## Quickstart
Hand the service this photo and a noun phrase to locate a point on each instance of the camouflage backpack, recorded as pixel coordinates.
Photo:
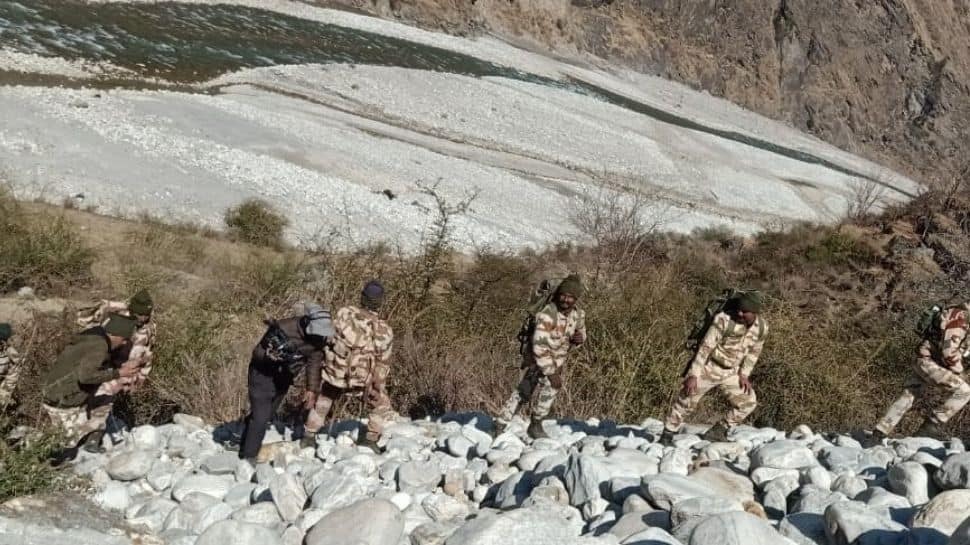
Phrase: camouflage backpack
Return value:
(725, 302)
(541, 297)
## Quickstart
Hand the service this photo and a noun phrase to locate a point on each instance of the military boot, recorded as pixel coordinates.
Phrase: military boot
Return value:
(717, 433)
(667, 438)
(874, 439)
(309, 440)
(930, 429)
(92, 442)
(535, 430)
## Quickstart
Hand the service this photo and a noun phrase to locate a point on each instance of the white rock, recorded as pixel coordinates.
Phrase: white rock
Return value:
(764, 475)
(459, 445)
(665, 490)
(370, 522)
(911, 480)
(724, 483)
(584, 478)
(889, 505)
(817, 476)
(113, 497)
(238, 533)
(816, 500)
(701, 508)
(735, 529)
(213, 485)
(804, 529)
(849, 484)
(289, 496)
(293, 536)
(594, 508)
(513, 491)
(401, 500)
(418, 477)
(955, 472)
(676, 461)
(527, 526)
(433, 533)
(162, 475)
(240, 495)
(635, 503)
(847, 521)
(784, 454)
(14, 531)
(209, 516)
(263, 514)
(244, 472)
(129, 466)
(651, 536)
(636, 522)
(945, 512)
(188, 422)
(961, 536)
(224, 463)
(152, 514)
(442, 507)
(624, 462)
(146, 438)
(338, 491)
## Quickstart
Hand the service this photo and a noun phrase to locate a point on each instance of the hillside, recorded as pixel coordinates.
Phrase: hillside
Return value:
(887, 80)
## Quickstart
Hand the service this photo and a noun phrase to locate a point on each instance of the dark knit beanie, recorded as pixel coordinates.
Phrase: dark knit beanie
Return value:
(750, 302)
(120, 326)
(5, 332)
(571, 285)
(372, 296)
(141, 303)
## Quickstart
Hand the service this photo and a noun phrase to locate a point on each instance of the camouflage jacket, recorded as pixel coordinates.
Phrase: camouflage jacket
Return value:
(9, 358)
(552, 338)
(141, 342)
(312, 354)
(360, 351)
(948, 346)
(730, 345)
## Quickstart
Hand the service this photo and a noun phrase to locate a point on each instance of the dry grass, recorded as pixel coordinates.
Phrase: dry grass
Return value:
(257, 222)
(838, 350)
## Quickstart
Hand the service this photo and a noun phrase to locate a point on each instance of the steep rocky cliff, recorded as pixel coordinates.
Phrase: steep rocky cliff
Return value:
(887, 79)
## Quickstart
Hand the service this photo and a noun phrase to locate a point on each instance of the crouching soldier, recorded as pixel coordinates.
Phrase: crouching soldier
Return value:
(559, 326)
(724, 360)
(939, 366)
(9, 366)
(73, 388)
(357, 362)
(287, 347)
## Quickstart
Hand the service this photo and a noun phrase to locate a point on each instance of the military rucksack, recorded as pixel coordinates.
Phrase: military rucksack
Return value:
(727, 301)
(541, 297)
(280, 349)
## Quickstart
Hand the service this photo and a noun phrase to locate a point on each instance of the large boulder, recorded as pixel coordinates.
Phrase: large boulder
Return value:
(804, 529)
(910, 480)
(224, 463)
(289, 496)
(651, 536)
(848, 522)
(238, 533)
(367, 522)
(513, 491)
(130, 466)
(584, 478)
(961, 536)
(665, 490)
(213, 485)
(724, 483)
(338, 490)
(636, 522)
(955, 472)
(418, 477)
(527, 526)
(14, 531)
(735, 529)
(624, 462)
(945, 512)
(784, 454)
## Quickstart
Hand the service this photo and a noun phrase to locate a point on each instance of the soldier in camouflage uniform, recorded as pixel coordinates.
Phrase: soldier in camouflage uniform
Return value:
(71, 386)
(939, 365)
(560, 325)
(9, 366)
(724, 360)
(140, 307)
(357, 361)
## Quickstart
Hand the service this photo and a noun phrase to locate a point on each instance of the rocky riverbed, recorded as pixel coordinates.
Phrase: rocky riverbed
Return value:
(449, 481)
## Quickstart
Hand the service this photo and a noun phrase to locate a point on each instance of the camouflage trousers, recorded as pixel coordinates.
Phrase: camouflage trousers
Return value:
(928, 373)
(9, 379)
(77, 422)
(381, 411)
(532, 379)
(725, 380)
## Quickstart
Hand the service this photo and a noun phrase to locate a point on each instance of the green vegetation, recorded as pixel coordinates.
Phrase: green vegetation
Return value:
(255, 221)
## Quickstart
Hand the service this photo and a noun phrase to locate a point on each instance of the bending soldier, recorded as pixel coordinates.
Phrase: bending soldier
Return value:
(72, 387)
(287, 347)
(724, 360)
(559, 326)
(939, 364)
(9, 366)
(357, 361)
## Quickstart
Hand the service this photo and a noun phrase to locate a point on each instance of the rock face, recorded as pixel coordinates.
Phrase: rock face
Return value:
(444, 483)
(368, 522)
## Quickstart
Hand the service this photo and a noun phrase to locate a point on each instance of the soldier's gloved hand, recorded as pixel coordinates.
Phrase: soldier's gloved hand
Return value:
(577, 339)
(555, 380)
(746, 386)
(690, 385)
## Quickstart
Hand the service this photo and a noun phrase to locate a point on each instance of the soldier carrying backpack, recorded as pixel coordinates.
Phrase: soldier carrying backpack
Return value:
(725, 354)
(939, 364)
(554, 325)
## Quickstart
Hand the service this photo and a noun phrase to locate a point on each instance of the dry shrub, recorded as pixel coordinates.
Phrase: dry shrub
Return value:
(40, 250)
(257, 222)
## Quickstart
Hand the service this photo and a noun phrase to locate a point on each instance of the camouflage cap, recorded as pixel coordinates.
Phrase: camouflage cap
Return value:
(750, 302)
(572, 285)
(120, 326)
(5, 331)
(141, 303)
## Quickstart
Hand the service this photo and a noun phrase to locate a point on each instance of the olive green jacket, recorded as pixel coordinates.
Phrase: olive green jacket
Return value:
(79, 369)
